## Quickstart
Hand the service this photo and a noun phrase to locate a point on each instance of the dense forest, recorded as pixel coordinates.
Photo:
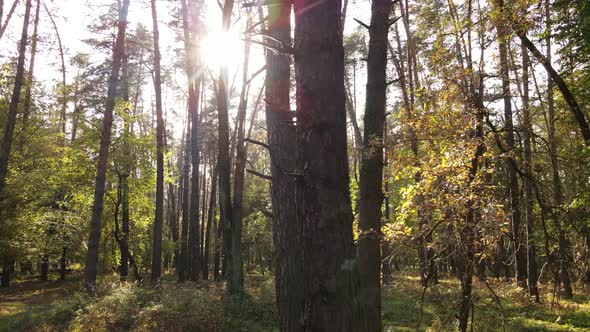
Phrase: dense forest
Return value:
(305, 165)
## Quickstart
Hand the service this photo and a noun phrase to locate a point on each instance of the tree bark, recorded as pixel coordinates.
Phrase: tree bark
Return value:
(97, 208)
(282, 149)
(323, 196)
(159, 217)
(371, 175)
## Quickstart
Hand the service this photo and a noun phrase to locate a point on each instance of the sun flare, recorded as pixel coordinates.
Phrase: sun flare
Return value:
(220, 48)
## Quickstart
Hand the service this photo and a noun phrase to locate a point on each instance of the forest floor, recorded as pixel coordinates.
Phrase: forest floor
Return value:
(32, 305)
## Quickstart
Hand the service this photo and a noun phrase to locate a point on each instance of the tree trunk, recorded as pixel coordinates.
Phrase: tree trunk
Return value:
(237, 213)
(183, 260)
(371, 175)
(513, 193)
(194, 234)
(324, 208)
(159, 218)
(62, 264)
(210, 221)
(223, 163)
(282, 149)
(14, 101)
(97, 208)
(557, 190)
(8, 17)
(528, 187)
(45, 267)
(30, 75)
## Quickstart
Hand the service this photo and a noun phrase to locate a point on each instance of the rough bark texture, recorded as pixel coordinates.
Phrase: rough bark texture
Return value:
(159, 217)
(281, 142)
(371, 175)
(513, 193)
(323, 196)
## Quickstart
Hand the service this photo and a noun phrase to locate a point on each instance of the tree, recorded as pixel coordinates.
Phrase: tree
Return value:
(160, 130)
(513, 192)
(322, 188)
(371, 175)
(223, 166)
(10, 124)
(105, 140)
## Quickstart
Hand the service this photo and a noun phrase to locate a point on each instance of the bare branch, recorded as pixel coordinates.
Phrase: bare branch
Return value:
(260, 175)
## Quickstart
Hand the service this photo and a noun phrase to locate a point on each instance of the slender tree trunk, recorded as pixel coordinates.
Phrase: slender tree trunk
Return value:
(8, 17)
(159, 218)
(62, 264)
(14, 101)
(223, 161)
(557, 190)
(237, 213)
(204, 190)
(194, 234)
(210, 221)
(30, 75)
(371, 175)
(97, 208)
(545, 60)
(45, 267)
(528, 187)
(182, 263)
(514, 195)
(329, 270)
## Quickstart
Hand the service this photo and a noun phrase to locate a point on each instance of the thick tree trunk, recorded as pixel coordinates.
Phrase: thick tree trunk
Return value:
(323, 196)
(528, 186)
(281, 141)
(513, 192)
(14, 101)
(159, 217)
(371, 175)
(103, 155)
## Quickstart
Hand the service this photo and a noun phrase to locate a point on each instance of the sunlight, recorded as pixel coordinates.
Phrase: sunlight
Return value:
(221, 48)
